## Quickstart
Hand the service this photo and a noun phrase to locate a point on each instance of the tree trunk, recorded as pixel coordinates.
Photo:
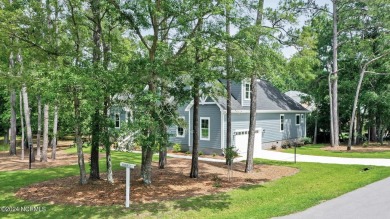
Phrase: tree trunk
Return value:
(253, 104)
(94, 173)
(80, 154)
(195, 131)
(39, 127)
(252, 125)
(162, 155)
(373, 132)
(21, 124)
(6, 136)
(147, 179)
(96, 59)
(331, 109)
(45, 132)
(335, 118)
(315, 127)
(55, 125)
(107, 143)
(27, 120)
(229, 159)
(143, 158)
(12, 147)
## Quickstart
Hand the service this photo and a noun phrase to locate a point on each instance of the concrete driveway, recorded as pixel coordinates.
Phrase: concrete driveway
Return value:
(275, 155)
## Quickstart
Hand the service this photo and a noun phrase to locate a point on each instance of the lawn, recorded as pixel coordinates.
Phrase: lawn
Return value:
(316, 150)
(312, 185)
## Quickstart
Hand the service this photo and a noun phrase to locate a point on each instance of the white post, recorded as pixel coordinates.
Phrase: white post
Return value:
(128, 167)
(127, 187)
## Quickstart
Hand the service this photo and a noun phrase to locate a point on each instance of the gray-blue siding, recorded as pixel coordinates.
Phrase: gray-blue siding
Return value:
(122, 114)
(211, 111)
(270, 122)
(173, 129)
(236, 90)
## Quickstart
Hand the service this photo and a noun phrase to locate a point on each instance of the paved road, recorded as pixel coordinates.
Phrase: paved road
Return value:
(369, 202)
(275, 155)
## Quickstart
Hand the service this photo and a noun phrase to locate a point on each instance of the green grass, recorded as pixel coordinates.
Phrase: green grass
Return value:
(4, 147)
(316, 150)
(312, 185)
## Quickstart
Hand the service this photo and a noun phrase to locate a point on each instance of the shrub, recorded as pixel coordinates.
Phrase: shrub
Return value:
(176, 147)
(217, 181)
(230, 153)
(214, 154)
(188, 152)
(200, 153)
(273, 147)
(286, 144)
(365, 144)
(306, 140)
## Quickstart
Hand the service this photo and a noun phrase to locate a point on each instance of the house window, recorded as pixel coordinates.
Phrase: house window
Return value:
(180, 131)
(247, 90)
(297, 119)
(302, 117)
(204, 128)
(281, 122)
(117, 120)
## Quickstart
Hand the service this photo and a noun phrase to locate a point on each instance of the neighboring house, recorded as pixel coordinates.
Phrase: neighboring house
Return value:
(279, 118)
(300, 97)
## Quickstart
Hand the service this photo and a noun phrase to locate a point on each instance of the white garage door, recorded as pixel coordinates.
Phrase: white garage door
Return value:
(241, 141)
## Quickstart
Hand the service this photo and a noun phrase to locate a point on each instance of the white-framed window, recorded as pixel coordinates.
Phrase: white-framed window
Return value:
(281, 122)
(297, 119)
(247, 90)
(204, 128)
(180, 131)
(117, 120)
(302, 118)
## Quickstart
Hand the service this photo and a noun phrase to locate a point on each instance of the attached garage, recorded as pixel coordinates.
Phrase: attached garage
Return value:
(241, 141)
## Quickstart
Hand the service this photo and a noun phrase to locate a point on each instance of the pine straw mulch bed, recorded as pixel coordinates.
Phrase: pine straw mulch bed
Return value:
(359, 148)
(171, 183)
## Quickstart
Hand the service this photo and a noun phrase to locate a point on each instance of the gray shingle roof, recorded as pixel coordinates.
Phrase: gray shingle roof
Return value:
(268, 98)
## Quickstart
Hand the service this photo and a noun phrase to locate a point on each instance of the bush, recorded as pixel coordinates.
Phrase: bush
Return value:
(200, 153)
(286, 144)
(188, 152)
(176, 147)
(273, 147)
(306, 140)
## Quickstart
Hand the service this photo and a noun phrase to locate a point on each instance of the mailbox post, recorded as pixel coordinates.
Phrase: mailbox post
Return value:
(128, 167)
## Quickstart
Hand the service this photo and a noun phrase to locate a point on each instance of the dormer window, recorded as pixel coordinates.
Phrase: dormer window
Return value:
(247, 91)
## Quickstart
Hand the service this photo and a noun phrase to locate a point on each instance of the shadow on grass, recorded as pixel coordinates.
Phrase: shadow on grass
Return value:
(216, 202)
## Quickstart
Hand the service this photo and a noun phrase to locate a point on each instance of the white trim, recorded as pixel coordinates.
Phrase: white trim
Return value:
(177, 129)
(299, 119)
(269, 111)
(189, 106)
(280, 123)
(222, 131)
(305, 127)
(200, 128)
(202, 99)
(189, 128)
(245, 91)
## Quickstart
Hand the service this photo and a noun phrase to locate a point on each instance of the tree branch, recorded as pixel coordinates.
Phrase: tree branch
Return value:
(131, 20)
